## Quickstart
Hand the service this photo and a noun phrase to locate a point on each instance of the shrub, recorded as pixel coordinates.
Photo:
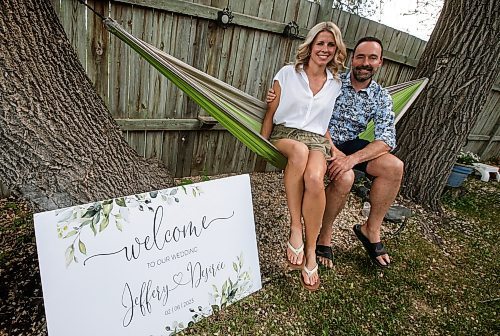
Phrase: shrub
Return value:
(467, 158)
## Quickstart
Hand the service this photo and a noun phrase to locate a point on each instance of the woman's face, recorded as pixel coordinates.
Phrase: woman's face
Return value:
(323, 48)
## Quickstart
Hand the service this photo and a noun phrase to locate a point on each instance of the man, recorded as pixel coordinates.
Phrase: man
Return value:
(360, 101)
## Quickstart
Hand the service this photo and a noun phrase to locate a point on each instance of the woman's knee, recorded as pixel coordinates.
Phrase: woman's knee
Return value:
(314, 180)
(297, 154)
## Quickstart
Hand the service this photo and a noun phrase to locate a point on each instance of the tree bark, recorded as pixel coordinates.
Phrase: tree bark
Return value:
(461, 60)
(59, 144)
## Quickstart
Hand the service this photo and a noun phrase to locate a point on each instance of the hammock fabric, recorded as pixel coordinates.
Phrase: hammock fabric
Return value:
(237, 111)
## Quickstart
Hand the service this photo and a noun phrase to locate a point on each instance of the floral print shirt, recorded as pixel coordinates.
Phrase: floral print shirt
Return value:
(353, 110)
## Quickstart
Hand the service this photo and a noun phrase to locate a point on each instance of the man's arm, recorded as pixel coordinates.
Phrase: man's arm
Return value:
(372, 151)
(342, 163)
(270, 96)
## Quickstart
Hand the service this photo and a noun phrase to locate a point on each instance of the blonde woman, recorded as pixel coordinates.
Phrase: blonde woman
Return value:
(296, 122)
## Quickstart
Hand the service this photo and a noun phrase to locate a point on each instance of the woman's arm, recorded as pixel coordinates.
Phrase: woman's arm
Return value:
(267, 123)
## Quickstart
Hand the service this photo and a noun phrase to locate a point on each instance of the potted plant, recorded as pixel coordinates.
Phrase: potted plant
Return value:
(462, 168)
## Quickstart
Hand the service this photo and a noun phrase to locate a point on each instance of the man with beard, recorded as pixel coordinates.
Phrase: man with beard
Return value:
(360, 101)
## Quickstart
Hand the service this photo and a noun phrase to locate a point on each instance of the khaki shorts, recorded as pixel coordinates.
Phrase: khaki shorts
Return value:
(313, 141)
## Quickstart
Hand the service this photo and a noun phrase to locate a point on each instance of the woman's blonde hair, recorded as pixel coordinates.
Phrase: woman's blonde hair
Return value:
(304, 51)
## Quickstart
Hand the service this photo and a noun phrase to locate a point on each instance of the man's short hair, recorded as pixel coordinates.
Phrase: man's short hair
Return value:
(369, 39)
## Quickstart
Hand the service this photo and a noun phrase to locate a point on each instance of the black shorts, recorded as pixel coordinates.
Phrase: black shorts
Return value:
(352, 146)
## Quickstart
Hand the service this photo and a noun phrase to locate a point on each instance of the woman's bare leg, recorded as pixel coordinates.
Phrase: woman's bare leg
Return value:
(313, 208)
(297, 154)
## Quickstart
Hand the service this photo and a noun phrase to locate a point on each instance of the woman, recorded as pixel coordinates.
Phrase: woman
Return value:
(296, 122)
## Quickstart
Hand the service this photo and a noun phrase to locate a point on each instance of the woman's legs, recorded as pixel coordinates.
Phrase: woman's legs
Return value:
(313, 208)
(297, 154)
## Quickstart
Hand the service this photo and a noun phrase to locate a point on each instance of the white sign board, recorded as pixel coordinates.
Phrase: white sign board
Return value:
(148, 264)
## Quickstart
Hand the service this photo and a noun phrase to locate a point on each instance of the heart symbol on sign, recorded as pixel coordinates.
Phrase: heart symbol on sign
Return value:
(178, 278)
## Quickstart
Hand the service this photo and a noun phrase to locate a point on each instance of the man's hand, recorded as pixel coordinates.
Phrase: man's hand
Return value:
(339, 165)
(270, 96)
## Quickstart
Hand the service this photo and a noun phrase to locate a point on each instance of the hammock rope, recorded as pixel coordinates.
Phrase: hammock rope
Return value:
(238, 112)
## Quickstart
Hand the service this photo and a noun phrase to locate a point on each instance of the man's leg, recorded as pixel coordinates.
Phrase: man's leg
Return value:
(387, 171)
(336, 196)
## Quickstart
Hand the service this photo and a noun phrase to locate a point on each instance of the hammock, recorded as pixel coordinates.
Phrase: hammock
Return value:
(238, 112)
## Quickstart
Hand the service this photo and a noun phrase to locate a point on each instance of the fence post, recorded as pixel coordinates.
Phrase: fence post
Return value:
(325, 10)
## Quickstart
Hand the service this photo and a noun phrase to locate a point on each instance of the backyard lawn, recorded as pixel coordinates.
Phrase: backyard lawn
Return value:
(443, 281)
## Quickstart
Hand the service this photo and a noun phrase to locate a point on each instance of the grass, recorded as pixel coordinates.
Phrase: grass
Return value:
(444, 281)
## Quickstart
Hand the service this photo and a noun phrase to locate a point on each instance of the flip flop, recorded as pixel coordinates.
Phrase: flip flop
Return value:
(296, 252)
(314, 287)
(374, 250)
(325, 252)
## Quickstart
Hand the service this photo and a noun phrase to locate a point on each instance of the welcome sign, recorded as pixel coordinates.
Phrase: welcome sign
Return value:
(148, 264)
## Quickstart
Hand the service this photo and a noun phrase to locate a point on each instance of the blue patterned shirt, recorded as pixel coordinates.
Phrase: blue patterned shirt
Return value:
(353, 110)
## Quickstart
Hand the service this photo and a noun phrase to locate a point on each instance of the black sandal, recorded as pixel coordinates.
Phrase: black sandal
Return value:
(374, 250)
(325, 252)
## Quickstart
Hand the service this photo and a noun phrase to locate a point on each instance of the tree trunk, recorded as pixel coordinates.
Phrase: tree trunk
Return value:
(59, 144)
(461, 60)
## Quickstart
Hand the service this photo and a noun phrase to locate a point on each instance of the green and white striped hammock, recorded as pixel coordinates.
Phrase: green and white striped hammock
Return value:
(237, 111)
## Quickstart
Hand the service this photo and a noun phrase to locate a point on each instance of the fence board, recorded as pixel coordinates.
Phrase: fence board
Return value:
(158, 83)
(118, 65)
(386, 41)
(154, 144)
(313, 14)
(98, 49)
(343, 22)
(200, 56)
(349, 36)
(334, 17)
(73, 19)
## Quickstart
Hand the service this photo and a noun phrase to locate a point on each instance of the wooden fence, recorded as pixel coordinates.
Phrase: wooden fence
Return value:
(158, 120)
(485, 135)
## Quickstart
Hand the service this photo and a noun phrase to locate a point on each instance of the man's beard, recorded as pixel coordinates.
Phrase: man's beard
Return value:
(363, 78)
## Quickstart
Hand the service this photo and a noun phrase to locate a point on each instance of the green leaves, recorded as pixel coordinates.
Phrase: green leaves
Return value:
(82, 247)
(120, 201)
(71, 233)
(104, 224)
(69, 255)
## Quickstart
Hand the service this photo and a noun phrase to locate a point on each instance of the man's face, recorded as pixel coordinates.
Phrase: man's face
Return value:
(366, 60)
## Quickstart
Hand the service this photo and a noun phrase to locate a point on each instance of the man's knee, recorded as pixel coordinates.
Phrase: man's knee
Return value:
(396, 166)
(387, 166)
(342, 186)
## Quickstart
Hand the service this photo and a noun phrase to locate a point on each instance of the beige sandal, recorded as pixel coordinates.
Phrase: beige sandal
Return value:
(296, 252)
(309, 273)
